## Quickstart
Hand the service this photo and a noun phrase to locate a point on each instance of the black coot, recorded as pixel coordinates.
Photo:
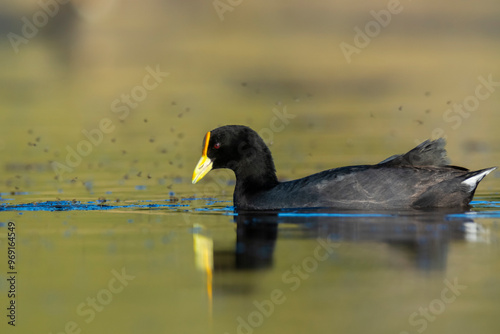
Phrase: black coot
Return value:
(418, 179)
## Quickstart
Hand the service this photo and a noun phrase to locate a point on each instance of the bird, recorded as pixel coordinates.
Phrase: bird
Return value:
(419, 179)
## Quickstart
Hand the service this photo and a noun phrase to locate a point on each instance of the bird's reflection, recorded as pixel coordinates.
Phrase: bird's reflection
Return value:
(422, 238)
(255, 241)
(256, 236)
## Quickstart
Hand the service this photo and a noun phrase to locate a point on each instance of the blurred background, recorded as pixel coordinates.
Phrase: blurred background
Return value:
(64, 65)
(111, 99)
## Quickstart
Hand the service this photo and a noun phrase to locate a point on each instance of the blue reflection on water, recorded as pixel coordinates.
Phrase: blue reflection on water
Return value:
(76, 205)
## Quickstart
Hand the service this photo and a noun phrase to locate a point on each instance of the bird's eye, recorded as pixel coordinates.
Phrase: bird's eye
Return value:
(217, 145)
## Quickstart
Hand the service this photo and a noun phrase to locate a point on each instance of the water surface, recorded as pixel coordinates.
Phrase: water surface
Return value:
(198, 266)
(116, 239)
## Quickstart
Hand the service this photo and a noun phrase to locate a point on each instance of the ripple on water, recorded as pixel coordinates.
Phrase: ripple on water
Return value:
(480, 208)
(80, 206)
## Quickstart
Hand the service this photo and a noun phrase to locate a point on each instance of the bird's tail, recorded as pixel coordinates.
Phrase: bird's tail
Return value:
(472, 179)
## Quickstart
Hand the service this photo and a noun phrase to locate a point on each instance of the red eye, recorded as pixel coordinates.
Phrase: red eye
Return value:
(217, 145)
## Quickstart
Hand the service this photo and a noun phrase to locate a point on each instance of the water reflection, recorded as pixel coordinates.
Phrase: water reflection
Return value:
(421, 237)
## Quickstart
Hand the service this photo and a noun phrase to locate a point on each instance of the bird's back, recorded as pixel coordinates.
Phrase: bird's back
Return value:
(420, 178)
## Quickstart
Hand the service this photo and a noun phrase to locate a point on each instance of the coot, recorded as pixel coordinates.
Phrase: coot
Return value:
(421, 178)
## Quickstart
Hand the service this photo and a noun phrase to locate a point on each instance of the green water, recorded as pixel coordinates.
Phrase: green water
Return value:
(202, 272)
(68, 133)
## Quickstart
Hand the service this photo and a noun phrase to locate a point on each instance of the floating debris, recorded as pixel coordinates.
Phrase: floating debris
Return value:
(78, 206)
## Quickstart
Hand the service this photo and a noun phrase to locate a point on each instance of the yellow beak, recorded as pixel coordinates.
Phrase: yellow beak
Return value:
(205, 164)
(202, 168)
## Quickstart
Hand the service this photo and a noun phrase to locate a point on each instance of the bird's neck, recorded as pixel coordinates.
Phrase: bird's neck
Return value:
(253, 175)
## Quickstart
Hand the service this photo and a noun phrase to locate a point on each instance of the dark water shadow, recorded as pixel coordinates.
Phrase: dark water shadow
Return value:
(423, 238)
